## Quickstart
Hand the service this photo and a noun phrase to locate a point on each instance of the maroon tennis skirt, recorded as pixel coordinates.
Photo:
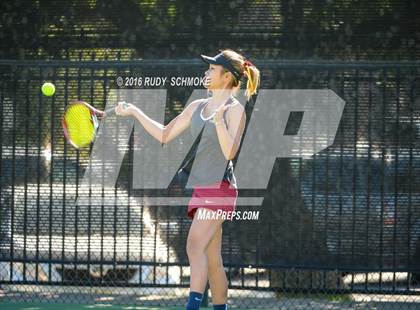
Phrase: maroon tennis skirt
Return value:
(217, 196)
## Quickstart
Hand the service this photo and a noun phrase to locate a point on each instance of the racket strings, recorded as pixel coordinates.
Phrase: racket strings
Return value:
(80, 126)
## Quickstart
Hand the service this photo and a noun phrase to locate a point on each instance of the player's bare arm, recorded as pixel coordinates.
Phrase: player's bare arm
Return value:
(162, 133)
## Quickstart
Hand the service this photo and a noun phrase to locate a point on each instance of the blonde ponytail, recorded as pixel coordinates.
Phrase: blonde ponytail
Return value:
(253, 76)
(249, 70)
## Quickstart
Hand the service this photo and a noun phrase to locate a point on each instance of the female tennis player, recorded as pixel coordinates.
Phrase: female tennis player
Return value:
(226, 118)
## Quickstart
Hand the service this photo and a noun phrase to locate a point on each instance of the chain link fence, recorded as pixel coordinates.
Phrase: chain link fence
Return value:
(340, 229)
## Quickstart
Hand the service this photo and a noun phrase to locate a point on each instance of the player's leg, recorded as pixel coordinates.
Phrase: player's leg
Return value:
(216, 272)
(199, 236)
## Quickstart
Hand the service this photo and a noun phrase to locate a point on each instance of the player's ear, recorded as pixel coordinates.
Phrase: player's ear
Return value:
(226, 75)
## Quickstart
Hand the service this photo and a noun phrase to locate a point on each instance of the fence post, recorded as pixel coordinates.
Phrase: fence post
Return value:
(205, 301)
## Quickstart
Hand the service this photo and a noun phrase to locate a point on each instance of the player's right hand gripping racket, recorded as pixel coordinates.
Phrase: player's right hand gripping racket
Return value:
(80, 122)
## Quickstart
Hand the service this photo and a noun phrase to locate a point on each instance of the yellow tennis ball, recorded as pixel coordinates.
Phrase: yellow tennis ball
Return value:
(48, 89)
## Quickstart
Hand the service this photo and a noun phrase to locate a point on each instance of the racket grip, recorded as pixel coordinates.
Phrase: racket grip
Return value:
(111, 111)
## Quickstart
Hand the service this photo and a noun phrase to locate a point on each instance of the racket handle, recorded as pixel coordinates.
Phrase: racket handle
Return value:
(111, 111)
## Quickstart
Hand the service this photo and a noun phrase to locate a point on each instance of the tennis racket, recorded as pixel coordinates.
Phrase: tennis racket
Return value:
(80, 122)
